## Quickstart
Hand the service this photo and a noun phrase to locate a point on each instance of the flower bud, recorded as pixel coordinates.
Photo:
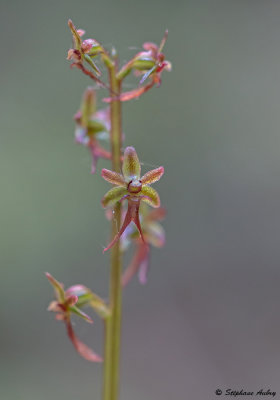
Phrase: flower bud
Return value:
(88, 106)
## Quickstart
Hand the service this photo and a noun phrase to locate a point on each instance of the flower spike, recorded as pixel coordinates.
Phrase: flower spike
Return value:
(130, 186)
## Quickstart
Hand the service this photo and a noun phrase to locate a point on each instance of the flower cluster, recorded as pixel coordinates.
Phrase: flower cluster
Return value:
(149, 63)
(130, 186)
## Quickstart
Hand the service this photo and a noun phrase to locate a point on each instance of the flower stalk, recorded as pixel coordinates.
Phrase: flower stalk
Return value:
(113, 324)
(133, 222)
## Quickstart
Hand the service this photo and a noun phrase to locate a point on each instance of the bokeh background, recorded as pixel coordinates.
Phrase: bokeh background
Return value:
(209, 316)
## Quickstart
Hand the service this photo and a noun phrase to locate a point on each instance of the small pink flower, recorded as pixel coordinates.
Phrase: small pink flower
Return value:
(131, 186)
(83, 50)
(92, 126)
(149, 63)
(64, 306)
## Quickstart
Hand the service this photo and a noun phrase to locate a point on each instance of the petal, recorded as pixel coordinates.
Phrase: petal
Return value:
(114, 195)
(76, 290)
(93, 165)
(156, 215)
(126, 222)
(80, 313)
(81, 348)
(152, 176)
(94, 159)
(54, 306)
(71, 55)
(113, 177)
(126, 237)
(92, 64)
(88, 44)
(141, 61)
(87, 298)
(132, 94)
(103, 116)
(136, 220)
(138, 259)
(100, 307)
(88, 105)
(163, 41)
(60, 317)
(132, 214)
(81, 136)
(100, 152)
(150, 46)
(75, 33)
(82, 293)
(150, 196)
(167, 66)
(71, 300)
(57, 287)
(143, 271)
(81, 32)
(131, 166)
(155, 234)
(103, 135)
(130, 271)
(147, 74)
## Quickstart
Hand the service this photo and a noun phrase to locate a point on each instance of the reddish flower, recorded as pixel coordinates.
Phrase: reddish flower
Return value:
(83, 50)
(130, 186)
(149, 63)
(66, 304)
(86, 51)
(154, 235)
(92, 126)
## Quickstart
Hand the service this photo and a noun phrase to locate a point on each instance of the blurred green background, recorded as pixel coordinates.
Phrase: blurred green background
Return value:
(209, 315)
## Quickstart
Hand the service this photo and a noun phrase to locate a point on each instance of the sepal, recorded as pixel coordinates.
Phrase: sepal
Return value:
(113, 196)
(150, 196)
(131, 166)
(152, 176)
(58, 287)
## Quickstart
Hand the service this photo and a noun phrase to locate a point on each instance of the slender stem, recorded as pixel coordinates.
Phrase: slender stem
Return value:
(107, 385)
(113, 324)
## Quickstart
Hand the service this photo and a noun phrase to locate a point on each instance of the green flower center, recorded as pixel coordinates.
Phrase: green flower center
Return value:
(134, 186)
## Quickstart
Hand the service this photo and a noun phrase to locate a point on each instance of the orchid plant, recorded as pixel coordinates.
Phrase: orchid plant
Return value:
(132, 205)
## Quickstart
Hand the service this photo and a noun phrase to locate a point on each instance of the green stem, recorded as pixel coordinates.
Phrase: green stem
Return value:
(107, 386)
(113, 323)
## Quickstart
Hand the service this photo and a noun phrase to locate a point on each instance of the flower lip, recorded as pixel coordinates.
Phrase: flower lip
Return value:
(134, 186)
